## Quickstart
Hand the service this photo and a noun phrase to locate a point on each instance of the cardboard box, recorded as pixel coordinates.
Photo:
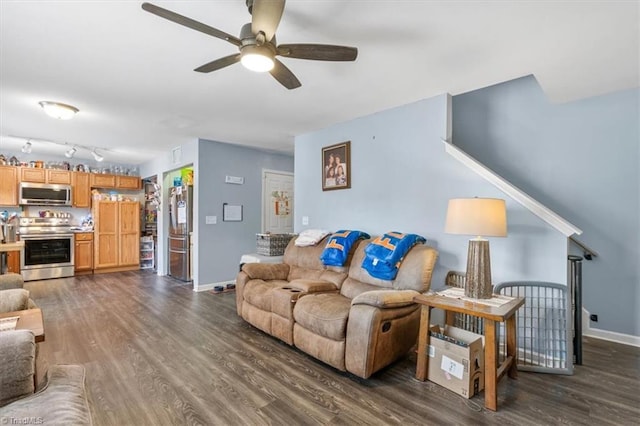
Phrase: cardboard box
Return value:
(456, 360)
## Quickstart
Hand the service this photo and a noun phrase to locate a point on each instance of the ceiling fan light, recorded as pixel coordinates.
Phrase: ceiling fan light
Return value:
(97, 156)
(70, 153)
(58, 110)
(257, 59)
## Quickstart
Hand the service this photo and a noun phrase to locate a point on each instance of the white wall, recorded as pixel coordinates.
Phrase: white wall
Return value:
(402, 180)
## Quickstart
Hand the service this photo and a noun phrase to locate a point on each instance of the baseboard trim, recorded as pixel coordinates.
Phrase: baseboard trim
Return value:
(208, 287)
(611, 336)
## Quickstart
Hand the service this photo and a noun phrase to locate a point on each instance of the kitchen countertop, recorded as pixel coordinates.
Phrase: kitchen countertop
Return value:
(18, 245)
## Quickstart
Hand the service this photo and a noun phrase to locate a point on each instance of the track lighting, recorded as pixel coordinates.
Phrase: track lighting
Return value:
(58, 110)
(26, 148)
(70, 153)
(97, 156)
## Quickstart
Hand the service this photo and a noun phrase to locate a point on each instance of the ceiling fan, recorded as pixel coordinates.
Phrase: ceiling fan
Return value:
(257, 42)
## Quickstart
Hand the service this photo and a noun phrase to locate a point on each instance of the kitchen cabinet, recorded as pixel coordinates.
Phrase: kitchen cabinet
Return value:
(116, 236)
(81, 193)
(8, 186)
(37, 175)
(83, 252)
(13, 261)
(114, 181)
(127, 182)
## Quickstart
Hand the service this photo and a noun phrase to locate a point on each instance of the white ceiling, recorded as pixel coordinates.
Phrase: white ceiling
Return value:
(131, 73)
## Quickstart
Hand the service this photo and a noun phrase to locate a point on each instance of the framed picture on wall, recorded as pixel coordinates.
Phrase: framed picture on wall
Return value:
(336, 166)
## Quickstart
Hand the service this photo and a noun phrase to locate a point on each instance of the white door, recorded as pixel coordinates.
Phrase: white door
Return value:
(277, 202)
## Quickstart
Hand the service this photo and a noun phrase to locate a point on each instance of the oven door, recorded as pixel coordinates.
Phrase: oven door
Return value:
(47, 251)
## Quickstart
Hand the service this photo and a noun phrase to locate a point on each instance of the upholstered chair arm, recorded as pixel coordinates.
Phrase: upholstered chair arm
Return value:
(312, 286)
(15, 299)
(11, 280)
(266, 271)
(386, 298)
(18, 354)
(382, 326)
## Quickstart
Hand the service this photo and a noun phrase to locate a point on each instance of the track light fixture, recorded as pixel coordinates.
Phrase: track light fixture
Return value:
(70, 153)
(97, 156)
(26, 148)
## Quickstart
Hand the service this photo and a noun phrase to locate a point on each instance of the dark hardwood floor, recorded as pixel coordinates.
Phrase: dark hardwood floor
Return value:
(156, 353)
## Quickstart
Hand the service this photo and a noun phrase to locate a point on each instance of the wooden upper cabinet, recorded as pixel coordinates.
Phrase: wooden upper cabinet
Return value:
(115, 181)
(8, 186)
(81, 189)
(62, 177)
(128, 182)
(37, 175)
(30, 174)
(103, 181)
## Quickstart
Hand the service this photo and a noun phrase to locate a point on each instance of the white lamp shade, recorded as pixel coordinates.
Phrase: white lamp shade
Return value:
(486, 217)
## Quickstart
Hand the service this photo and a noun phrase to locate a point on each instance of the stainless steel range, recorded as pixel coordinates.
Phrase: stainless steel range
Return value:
(48, 248)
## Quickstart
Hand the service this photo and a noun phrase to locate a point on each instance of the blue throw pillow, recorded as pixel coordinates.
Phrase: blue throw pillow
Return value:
(384, 255)
(339, 245)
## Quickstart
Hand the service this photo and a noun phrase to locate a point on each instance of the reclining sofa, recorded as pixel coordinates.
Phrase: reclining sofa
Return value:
(340, 315)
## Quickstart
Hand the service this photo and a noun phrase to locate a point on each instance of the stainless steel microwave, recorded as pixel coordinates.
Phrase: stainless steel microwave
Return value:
(44, 194)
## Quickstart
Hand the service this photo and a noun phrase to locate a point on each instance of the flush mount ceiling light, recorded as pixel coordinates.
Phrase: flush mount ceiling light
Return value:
(97, 156)
(70, 153)
(257, 58)
(26, 148)
(58, 110)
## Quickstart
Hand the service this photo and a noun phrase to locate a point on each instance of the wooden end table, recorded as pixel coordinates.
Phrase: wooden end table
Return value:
(30, 319)
(492, 371)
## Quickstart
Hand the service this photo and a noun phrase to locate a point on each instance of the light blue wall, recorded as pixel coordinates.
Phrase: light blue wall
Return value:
(402, 179)
(220, 246)
(582, 160)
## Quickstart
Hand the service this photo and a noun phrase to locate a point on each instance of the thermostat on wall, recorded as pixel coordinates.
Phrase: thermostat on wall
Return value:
(234, 179)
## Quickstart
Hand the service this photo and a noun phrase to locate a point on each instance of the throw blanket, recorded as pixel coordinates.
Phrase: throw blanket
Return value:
(311, 237)
(384, 254)
(339, 245)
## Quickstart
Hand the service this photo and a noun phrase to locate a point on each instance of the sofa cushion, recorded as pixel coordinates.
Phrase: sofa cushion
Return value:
(258, 292)
(324, 314)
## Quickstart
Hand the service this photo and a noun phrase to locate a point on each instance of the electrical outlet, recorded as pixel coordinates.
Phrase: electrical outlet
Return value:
(593, 317)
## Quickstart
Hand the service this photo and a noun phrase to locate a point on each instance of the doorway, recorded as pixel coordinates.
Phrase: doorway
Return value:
(277, 202)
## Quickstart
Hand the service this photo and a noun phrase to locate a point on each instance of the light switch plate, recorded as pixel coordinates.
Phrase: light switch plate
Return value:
(210, 220)
(305, 220)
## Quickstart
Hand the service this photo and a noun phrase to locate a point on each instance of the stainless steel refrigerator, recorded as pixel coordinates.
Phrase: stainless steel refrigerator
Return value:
(180, 227)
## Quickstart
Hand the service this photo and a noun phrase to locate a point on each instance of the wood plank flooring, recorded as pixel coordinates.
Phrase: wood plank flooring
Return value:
(156, 353)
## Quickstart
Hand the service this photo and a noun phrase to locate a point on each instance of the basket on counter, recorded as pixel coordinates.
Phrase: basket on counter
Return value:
(272, 244)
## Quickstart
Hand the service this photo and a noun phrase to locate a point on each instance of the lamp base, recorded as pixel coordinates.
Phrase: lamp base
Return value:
(478, 283)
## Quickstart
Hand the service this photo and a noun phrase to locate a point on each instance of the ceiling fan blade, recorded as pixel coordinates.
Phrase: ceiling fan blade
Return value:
(190, 23)
(219, 63)
(318, 52)
(265, 16)
(284, 75)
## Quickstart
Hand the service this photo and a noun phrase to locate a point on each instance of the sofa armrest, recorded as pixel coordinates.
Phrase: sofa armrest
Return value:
(312, 286)
(266, 271)
(17, 369)
(15, 299)
(11, 280)
(63, 401)
(386, 298)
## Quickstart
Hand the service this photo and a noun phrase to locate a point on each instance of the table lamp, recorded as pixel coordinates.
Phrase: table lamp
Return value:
(483, 217)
